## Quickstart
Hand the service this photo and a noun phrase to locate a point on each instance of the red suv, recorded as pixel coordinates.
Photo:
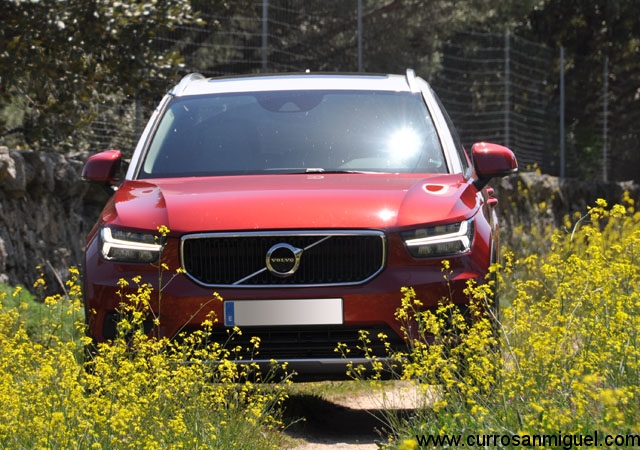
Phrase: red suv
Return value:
(305, 200)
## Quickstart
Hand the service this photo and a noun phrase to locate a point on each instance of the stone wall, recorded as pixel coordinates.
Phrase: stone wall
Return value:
(46, 210)
(530, 199)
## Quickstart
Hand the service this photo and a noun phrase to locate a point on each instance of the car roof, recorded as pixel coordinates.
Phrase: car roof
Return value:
(196, 84)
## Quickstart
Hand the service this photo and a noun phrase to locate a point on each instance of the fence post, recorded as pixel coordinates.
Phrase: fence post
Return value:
(138, 126)
(562, 138)
(605, 106)
(359, 35)
(507, 94)
(265, 29)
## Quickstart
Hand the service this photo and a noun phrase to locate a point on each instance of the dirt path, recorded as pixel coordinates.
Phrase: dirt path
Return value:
(353, 421)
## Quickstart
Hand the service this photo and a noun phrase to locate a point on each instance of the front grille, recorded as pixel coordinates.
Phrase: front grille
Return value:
(309, 342)
(240, 259)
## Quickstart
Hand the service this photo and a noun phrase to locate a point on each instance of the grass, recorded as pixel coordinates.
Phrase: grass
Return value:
(565, 361)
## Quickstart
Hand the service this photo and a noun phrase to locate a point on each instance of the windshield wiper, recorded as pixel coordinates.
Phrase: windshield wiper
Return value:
(321, 170)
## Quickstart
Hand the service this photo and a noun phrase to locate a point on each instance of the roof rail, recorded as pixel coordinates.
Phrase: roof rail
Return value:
(184, 82)
(412, 81)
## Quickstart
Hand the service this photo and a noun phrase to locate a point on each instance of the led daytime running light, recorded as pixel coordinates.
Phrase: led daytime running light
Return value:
(462, 236)
(109, 242)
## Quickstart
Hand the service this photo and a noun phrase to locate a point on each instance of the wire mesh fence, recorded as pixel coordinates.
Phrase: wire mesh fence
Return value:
(497, 87)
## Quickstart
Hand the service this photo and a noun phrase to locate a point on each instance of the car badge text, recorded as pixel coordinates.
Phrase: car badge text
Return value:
(283, 260)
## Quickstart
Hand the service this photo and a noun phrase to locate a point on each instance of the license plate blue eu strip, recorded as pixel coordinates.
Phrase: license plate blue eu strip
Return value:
(229, 314)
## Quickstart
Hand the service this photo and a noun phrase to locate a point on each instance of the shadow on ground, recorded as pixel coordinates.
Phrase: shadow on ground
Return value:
(317, 420)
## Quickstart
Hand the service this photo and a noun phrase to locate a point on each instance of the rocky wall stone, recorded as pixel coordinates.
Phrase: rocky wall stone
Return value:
(46, 211)
(531, 199)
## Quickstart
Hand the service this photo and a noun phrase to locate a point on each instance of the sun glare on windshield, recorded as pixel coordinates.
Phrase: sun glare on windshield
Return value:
(403, 144)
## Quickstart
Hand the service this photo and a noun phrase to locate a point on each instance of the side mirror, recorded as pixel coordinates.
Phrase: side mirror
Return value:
(104, 168)
(490, 161)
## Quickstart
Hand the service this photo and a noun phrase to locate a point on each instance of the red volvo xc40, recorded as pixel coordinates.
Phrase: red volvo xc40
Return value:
(305, 200)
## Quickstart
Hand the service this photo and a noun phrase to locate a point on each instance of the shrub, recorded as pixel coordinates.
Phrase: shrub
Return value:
(566, 358)
(136, 392)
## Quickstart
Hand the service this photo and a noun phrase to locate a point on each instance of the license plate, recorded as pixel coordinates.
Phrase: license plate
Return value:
(325, 311)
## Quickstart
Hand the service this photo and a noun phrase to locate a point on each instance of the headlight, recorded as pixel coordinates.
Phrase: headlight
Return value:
(128, 246)
(441, 240)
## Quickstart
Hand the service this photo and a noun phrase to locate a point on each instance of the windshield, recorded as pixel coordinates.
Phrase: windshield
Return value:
(294, 132)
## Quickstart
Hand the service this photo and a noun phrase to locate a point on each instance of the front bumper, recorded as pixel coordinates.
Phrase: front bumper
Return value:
(181, 306)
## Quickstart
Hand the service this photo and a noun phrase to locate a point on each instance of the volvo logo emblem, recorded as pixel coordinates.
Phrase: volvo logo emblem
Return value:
(283, 259)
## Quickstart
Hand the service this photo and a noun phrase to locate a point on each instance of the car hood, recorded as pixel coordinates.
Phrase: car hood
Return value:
(292, 201)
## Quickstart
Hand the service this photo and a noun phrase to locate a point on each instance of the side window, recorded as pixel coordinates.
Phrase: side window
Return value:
(160, 138)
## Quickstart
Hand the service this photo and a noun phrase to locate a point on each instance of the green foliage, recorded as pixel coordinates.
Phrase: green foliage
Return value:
(327, 34)
(62, 59)
(591, 31)
(65, 63)
(568, 359)
(19, 298)
(136, 392)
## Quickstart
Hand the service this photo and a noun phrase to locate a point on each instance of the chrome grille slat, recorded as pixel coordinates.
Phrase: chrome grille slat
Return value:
(228, 259)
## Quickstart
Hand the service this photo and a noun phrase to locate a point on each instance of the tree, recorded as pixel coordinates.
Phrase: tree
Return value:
(63, 58)
(321, 35)
(592, 32)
